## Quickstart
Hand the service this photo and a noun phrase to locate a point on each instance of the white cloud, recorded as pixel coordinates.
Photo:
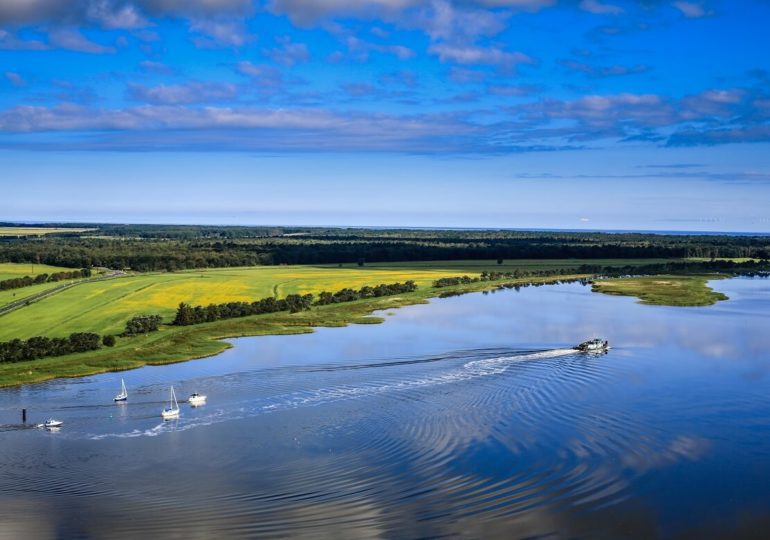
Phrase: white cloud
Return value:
(191, 92)
(288, 53)
(471, 54)
(218, 32)
(71, 39)
(15, 79)
(597, 7)
(692, 10)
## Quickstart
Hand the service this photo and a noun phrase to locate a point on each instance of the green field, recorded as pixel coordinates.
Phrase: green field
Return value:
(664, 290)
(104, 307)
(37, 231)
(14, 270)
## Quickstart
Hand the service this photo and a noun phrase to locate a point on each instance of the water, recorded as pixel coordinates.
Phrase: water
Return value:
(467, 417)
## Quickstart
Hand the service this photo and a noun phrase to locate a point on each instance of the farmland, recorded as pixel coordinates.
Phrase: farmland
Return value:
(12, 270)
(105, 306)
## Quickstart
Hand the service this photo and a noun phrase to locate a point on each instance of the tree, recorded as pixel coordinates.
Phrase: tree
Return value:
(108, 341)
(499, 261)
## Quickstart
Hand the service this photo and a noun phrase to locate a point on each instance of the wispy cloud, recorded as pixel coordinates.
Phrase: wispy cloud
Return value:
(603, 71)
(471, 54)
(600, 8)
(190, 92)
(15, 79)
(288, 52)
(71, 39)
(692, 10)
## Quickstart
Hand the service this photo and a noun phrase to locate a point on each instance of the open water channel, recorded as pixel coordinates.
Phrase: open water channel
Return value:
(465, 417)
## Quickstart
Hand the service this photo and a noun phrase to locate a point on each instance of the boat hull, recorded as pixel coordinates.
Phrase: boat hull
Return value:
(169, 414)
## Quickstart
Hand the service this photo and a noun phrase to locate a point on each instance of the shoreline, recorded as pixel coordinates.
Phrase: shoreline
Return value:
(173, 344)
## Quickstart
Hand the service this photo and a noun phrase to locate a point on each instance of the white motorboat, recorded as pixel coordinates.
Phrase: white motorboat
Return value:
(196, 399)
(173, 407)
(51, 423)
(594, 345)
(123, 396)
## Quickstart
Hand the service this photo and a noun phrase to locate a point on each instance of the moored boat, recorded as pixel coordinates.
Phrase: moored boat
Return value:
(123, 396)
(173, 407)
(196, 399)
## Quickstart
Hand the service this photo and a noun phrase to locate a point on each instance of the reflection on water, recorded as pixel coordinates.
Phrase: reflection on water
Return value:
(466, 417)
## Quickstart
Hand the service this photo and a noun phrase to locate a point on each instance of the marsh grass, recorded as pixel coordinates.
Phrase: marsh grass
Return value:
(664, 290)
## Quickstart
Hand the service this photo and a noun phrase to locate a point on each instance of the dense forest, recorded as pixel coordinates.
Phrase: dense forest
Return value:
(159, 247)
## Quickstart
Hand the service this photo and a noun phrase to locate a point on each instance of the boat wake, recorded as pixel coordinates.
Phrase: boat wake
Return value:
(310, 398)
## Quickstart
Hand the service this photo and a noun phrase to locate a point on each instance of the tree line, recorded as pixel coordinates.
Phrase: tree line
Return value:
(26, 281)
(157, 247)
(33, 348)
(187, 315)
(743, 268)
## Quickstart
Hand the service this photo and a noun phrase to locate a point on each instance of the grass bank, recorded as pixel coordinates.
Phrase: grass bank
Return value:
(664, 290)
(177, 344)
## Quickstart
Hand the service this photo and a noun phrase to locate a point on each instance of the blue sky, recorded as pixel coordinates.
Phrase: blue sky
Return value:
(608, 114)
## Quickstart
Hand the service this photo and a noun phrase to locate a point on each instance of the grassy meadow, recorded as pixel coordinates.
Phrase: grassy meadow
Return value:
(664, 290)
(14, 270)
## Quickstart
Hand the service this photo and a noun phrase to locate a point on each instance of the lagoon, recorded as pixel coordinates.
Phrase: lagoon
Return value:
(468, 416)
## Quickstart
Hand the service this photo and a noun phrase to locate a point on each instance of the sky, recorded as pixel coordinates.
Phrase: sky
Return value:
(575, 114)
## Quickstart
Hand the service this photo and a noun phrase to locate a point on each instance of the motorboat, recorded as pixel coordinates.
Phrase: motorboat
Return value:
(196, 399)
(594, 345)
(172, 411)
(51, 423)
(123, 396)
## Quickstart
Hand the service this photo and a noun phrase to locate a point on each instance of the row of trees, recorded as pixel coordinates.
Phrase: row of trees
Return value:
(496, 276)
(19, 350)
(26, 281)
(745, 268)
(187, 314)
(293, 303)
(349, 295)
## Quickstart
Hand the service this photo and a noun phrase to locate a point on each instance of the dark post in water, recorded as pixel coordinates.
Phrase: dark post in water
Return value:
(24, 416)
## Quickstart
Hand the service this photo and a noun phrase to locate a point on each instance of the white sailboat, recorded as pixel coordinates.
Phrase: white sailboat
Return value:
(173, 407)
(123, 396)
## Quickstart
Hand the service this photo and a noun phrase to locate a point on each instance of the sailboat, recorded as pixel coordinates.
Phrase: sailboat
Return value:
(123, 396)
(173, 407)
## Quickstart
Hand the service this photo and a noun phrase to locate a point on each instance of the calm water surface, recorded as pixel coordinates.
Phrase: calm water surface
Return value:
(467, 417)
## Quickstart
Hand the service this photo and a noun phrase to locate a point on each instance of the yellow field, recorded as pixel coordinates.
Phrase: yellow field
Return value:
(105, 306)
(37, 231)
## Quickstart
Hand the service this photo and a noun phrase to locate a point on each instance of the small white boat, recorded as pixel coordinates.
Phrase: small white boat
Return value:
(51, 423)
(123, 396)
(173, 407)
(594, 345)
(196, 399)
